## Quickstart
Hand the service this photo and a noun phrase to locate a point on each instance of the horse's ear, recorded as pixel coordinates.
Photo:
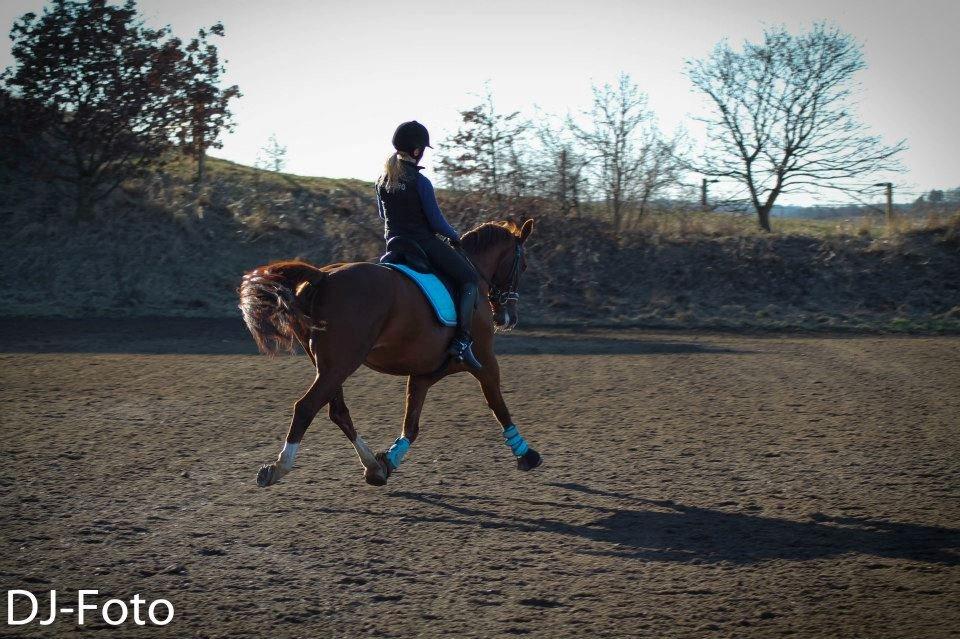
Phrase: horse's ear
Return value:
(525, 230)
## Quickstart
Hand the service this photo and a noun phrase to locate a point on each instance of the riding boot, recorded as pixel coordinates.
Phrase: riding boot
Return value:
(461, 347)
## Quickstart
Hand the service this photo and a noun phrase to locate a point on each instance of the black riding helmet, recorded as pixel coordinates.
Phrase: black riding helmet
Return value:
(411, 135)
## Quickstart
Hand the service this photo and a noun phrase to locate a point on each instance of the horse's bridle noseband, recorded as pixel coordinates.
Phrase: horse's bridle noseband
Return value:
(500, 296)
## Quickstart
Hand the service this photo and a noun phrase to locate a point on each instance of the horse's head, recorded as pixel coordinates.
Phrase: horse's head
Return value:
(498, 248)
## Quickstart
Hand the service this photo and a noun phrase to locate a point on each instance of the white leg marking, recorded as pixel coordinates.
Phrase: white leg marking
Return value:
(367, 458)
(287, 455)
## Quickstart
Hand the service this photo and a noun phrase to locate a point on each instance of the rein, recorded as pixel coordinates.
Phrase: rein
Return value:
(497, 295)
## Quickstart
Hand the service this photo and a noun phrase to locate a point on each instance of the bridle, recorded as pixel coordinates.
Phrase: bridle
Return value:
(499, 295)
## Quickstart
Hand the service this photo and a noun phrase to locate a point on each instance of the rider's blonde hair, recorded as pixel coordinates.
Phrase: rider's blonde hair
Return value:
(393, 170)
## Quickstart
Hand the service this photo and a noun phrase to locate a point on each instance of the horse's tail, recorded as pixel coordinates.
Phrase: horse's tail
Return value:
(271, 299)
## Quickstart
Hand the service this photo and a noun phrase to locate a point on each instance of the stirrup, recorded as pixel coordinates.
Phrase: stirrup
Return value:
(461, 350)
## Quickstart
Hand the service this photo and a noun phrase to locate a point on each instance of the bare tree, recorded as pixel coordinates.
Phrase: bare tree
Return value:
(559, 166)
(486, 152)
(610, 137)
(272, 156)
(782, 117)
(628, 158)
(661, 166)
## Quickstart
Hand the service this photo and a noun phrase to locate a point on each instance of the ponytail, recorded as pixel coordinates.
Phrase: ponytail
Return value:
(393, 171)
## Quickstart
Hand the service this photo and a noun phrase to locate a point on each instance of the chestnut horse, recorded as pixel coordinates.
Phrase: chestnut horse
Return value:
(346, 315)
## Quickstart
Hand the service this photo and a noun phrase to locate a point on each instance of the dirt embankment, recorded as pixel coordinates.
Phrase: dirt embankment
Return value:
(152, 252)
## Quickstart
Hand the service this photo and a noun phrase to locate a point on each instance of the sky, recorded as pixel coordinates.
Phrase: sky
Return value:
(332, 79)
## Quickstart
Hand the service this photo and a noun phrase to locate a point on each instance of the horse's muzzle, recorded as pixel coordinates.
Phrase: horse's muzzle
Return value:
(505, 317)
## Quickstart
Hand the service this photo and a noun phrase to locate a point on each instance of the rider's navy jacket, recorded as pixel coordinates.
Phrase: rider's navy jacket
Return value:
(412, 210)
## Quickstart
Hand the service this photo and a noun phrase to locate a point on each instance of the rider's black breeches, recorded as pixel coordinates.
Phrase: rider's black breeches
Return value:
(448, 260)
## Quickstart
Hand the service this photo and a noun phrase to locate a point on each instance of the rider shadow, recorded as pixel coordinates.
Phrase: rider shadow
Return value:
(671, 532)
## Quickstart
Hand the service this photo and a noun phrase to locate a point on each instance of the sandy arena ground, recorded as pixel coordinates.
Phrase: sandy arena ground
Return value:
(694, 485)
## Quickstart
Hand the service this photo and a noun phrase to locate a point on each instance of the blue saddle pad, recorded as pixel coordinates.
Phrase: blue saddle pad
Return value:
(437, 294)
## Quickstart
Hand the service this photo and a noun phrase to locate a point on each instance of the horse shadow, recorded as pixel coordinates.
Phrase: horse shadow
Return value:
(672, 532)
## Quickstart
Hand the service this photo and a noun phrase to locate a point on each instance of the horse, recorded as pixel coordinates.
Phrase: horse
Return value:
(345, 315)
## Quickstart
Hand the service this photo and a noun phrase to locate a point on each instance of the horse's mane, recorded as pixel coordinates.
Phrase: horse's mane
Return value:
(488, 234)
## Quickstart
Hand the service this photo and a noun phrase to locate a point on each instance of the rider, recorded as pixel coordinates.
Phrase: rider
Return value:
(408, 206)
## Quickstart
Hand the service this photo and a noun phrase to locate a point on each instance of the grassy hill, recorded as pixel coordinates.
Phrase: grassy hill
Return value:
(155, 249)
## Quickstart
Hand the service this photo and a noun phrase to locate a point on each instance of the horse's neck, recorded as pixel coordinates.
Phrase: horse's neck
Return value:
(486, 261)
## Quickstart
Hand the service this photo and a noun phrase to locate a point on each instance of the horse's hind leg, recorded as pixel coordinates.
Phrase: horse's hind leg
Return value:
(307, 348)
(304, 411)
(417, 387)
(323, 390)
(373, 470)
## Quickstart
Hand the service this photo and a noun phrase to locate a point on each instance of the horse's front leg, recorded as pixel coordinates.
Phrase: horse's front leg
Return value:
(489, 378)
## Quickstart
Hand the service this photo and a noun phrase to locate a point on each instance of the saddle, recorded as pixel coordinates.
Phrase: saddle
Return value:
(405, 256)
(405, 250)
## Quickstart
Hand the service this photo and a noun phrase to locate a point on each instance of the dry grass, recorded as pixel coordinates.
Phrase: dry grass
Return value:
(267, 201)
(693, 224)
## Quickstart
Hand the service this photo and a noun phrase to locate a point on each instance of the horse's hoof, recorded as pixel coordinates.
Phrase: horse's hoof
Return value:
(375, 477)
(529, 460)
(378, 476)
(267, 476)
